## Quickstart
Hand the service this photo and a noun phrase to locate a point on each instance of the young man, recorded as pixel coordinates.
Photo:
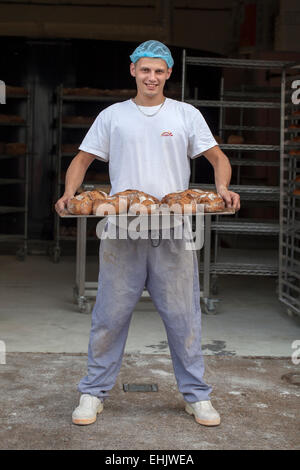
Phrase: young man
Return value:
(148, 142)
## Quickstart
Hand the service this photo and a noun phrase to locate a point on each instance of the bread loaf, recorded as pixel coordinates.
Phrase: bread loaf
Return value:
(218, 139)
(143, 204)
(78, 119)
(235, 139)
(15, 90)
(81, 204)
(11, 118)
(15, 148)
(110, 206)
(186, 201)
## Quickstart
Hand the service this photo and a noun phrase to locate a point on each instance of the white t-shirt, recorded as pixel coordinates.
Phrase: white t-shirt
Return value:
(150, 154)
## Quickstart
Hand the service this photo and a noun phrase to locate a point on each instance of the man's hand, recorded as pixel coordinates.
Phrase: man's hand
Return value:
(61, 204)
(232, 200)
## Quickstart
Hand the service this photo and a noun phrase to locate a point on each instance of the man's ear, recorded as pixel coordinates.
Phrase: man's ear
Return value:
(169, 73)
(132, 69)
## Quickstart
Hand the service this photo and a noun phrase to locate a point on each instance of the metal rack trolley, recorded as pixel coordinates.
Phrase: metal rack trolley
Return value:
(289, 246)
(260, 193)
(84, 290)
(61, 100)
(4, 210)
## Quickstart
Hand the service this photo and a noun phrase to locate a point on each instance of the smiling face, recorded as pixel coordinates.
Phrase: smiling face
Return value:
(150, 75)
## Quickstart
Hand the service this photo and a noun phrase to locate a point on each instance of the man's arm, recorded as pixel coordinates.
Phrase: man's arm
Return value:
(74, 178)
(222, 170)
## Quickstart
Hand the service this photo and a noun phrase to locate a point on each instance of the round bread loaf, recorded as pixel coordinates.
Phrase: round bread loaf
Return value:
(81, 204)
(97, 194)
(187, 201)
(235, 139)
(143, 204)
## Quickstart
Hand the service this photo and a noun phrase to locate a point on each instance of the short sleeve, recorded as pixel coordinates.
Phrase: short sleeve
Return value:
(96, 140)
(200, 136)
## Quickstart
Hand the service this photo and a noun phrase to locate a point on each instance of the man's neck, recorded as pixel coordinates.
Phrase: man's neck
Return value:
(149, 101)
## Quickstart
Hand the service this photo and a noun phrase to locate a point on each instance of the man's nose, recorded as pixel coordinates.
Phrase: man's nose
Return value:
(152, 75)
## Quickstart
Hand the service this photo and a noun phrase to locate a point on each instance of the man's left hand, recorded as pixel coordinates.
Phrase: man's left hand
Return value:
(232, 200)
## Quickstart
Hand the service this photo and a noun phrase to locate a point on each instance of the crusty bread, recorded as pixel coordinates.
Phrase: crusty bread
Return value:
(186, 201)
(82, 204)
(235, 139)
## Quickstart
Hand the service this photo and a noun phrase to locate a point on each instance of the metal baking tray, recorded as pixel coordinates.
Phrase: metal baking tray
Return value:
(125, 214)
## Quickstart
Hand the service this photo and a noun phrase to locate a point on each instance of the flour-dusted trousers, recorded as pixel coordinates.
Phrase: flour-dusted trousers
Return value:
(170, 274)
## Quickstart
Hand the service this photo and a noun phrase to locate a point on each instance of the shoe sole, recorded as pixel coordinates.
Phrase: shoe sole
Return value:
(84, 422)
(204, 422)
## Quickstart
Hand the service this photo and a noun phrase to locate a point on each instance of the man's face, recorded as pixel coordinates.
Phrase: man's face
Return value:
(151, 75)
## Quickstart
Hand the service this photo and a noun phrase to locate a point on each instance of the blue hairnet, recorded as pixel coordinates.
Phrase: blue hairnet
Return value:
(153, 48)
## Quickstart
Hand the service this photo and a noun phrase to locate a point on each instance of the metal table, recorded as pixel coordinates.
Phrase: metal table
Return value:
(84, 290)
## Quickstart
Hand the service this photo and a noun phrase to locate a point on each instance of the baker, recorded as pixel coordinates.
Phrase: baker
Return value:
(148, 142)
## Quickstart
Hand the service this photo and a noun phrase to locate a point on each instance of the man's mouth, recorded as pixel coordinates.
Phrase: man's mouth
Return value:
(150, 86)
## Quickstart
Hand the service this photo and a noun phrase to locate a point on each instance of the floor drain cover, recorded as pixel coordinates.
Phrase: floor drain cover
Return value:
(292, 378)
(140, 387)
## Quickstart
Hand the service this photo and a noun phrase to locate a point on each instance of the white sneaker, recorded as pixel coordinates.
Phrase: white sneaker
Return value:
(86, 412)
(204, 413)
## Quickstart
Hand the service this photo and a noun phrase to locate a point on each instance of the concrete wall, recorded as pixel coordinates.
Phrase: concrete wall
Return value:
(200, 24)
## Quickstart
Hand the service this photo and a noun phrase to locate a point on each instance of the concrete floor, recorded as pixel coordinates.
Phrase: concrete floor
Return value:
(258, 409)
(248, 347)
(38, 314)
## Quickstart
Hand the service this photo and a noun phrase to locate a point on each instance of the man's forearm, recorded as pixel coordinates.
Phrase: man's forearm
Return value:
(221, 165)
(223, 173)
(76, 173)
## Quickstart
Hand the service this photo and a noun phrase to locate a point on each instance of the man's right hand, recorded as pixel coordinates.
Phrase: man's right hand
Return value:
(61, 204)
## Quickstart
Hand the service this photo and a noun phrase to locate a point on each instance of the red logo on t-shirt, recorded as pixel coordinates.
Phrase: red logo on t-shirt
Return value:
(167, 133)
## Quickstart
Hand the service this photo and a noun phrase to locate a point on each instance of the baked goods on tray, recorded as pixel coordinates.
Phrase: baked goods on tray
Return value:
(131, 201)
(82, 204)
(112, 205)
(135, 202)
(186, 201)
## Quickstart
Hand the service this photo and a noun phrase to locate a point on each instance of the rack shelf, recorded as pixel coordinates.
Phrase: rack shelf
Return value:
(289, 240)
(62, 100)
(233, 104)
(24, 122)
(248, 97)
